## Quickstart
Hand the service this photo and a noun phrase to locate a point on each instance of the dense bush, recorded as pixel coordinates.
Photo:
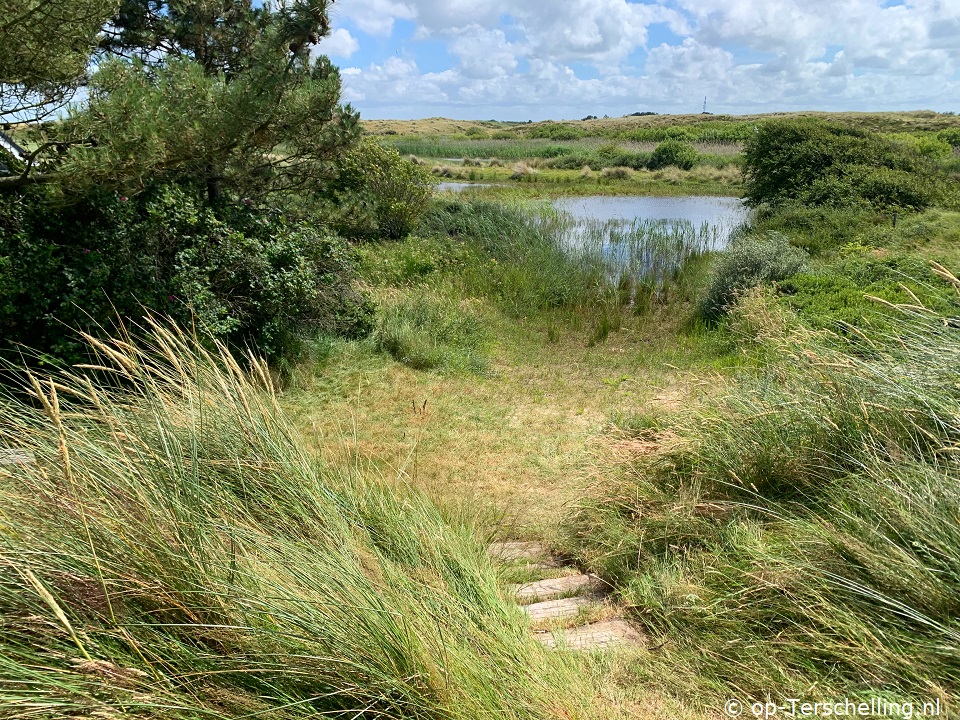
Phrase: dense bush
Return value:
(555, 131)
(820, 164)
(750, 260)
(951, 136)
(378, 193)
(607, 155)
(247, 275)
(674, 152)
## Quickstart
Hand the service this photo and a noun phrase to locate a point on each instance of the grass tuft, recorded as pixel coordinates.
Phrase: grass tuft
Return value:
(176, 553)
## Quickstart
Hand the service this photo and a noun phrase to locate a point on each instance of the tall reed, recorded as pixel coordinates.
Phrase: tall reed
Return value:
(796, 533)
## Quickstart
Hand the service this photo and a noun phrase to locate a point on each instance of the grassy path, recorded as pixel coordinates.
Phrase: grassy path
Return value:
(517, 443)
(516, 446)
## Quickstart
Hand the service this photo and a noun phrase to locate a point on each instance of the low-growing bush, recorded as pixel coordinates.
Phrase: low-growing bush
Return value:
(555, 131)
(820, 229)
(378, 193)
(817, 163)
(749, 261)
(251, 276)
(674, 152)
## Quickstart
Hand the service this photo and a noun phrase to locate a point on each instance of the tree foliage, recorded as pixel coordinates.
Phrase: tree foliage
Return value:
(45, 50)
(821, 164)
(247, 275)
(379, 193)
(217, 93)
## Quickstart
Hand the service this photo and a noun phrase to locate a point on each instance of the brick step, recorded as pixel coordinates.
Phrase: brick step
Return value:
(554, 588)
(533, 552)
(558, 609)
(596, 636)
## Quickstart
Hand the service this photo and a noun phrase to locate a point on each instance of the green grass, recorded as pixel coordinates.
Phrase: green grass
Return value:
(428, 332)
(177, 553)
(797, 528)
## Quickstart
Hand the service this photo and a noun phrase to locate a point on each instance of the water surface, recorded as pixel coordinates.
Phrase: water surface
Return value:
(723, 214)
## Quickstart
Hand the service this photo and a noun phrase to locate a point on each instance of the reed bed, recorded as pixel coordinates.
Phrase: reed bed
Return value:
(174, 552)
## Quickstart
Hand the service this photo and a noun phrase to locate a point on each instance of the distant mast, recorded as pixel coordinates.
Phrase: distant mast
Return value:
(704, 104)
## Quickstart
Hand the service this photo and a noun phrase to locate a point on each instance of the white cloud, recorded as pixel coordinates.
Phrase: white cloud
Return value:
(375, 17)
(338, 44)
(743, 54)
(484, 53)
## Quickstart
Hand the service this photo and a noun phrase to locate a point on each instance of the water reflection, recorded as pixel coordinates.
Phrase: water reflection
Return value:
(722, 214)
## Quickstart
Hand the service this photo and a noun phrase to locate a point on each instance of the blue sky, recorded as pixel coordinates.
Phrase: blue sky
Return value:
(537, 59)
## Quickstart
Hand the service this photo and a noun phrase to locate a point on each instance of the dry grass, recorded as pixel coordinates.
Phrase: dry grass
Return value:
(518, 441)
(880, 121)
(616, 173)
(523, 170)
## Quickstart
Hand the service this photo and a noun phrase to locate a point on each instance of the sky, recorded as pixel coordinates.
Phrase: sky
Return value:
(566, 59)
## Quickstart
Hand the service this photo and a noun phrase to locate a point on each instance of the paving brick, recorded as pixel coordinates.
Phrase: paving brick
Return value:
(554, 588)
(597, 636)
(558, 609)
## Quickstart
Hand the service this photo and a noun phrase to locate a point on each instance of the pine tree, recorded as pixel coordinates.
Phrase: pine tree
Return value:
(211, 92)
(45, 50)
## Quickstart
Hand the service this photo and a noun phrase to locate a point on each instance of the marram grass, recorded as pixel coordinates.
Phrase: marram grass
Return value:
(796, 535)
(176, 553)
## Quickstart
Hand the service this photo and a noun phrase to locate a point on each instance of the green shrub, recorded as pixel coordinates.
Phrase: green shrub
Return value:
(247, 275)
(935, 148)
(555, 131)
(412, 261)
(817, 229)
(836, 295)
(427, 332)
(379, 193)
(750, 260)
(816, 163)
(951, 136)
(674, 152)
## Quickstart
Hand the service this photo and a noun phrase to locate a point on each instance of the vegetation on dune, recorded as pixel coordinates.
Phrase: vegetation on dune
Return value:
(177, 550)
(795, 531)
(750, 261)
(820, 164)
(174, 552)
(250, 275)
(376, 193)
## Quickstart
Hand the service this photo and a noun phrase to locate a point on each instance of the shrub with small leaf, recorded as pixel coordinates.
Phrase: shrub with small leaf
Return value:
(379, 193)
(674, 152)
(248, 275)
(751, 260)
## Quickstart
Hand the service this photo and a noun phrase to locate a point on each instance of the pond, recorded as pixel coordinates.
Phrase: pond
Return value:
(461, 186)
(721, 214)
(649, 238)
